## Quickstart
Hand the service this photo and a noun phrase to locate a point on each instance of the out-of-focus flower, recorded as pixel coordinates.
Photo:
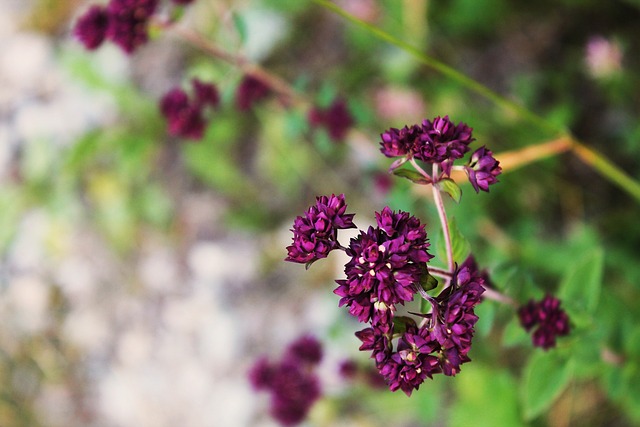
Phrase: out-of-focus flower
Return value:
(395, 103)
(249, 91)
(603, 57)
(185, 116)
(549, 319)
(483, 169)
(292, 382)
(315, 233)
(336, 119)
(128, 21)
(91, 28)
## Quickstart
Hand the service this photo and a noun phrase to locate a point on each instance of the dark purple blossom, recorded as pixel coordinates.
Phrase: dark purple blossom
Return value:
(182, 1)
(413, 361)
(128, 22)
(91, 28)
(549, 320)
(315, 233)
(293, 385)
(184, 119)
(438, 141)
(336, 119)
(249, 91)
(483, 169)
(455, 321)
(306, 349)
(185, 116)
(205, 94)
(387, 263)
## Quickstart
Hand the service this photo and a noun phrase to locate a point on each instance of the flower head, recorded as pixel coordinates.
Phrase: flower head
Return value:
(306, 349)
(387, 263)
(250, 91)
(336, 119)
(128, 22)
(91, 28)
(548, 318)
(291, 381)
(315, 233)
(185, 116)
(483, 169)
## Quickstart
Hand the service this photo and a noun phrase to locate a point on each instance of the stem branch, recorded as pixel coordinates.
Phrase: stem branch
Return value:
(437, 197)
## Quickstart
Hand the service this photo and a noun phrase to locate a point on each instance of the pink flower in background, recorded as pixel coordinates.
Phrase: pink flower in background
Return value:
(603, 57)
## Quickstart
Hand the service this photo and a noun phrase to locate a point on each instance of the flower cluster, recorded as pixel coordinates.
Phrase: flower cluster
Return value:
(291, 381)
(316, 233)
(185, 116)
(336, 119)
(124, 22)
(441, 142)
(387, 263)
(386, 269)
(440, 344)
(548, 318)
(249, 91)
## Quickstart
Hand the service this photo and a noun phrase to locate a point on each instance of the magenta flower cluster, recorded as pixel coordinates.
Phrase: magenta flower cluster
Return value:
(335, 118)
(548, 319)
(441, 142)
(440, 344)
(386, 269)
(316, 233)
(291, 381)
(184, 114)
(123, 22)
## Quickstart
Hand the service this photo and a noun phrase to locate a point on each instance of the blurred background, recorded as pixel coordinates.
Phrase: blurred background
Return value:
(141, 274)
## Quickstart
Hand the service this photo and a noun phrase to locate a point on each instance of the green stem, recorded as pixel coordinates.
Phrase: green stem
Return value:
(437, 197)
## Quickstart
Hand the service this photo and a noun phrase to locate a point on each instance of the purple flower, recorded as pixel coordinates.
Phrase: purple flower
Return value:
(128, 22)
(205, 93)
(336, 119)
(293, 385)
(438, 141)
(483, 169)
(91, 28)
(399, 142)
(306, 349)
(412, 363)
(455, 318)
(182, 1)
(387, 263)
(315, 233)
(249, 91)
(550, 321)
(185, 117)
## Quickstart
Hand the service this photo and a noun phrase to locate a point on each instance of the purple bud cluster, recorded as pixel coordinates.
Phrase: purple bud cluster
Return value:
(336, 119)
(249, 91)
(123, 22)
(316, 233)
(441, 142)
(387, 267)
(291, 381)
(440, 344)
(550, 321)
(387, 263)
(185, 115)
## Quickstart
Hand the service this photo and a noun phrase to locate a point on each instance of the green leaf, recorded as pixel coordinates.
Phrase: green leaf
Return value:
(514, 334)
(459, 245)
(411, 175)
(450, 187)
(580, 287)
(428, 282)
(425, 306)
(545, 377)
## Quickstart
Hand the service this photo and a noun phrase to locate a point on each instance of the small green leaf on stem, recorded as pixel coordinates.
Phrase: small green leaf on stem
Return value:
(425, 306)
(428, 282)
(412, 175)
(545, 377)
(400, 324)
(449, 186)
